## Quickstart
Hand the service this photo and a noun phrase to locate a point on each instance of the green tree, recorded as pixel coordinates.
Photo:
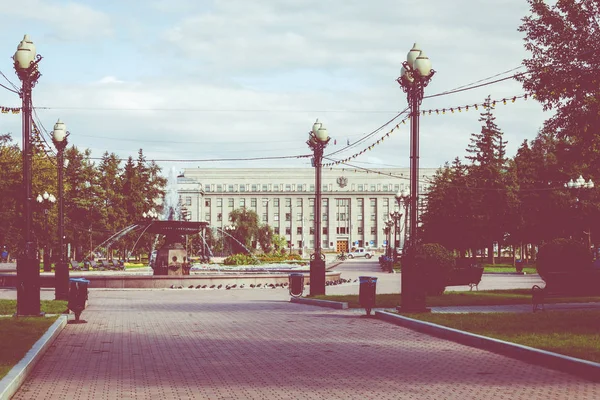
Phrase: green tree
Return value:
(10, 189)
(246, 228)
(279, 243)
(265, 238)
(493, 195)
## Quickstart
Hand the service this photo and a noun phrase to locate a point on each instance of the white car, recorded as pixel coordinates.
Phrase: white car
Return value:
(360, 252)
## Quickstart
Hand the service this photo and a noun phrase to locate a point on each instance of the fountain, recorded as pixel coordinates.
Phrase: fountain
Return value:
(171, 257)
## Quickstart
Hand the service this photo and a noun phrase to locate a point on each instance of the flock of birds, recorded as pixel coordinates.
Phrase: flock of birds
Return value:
(259, 285)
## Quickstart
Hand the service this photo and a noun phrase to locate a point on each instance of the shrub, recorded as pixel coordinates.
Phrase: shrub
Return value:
(563, 255)
(240, 259)
(434, 261)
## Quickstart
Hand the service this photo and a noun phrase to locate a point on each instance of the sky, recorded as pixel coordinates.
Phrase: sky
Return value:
(229, 79)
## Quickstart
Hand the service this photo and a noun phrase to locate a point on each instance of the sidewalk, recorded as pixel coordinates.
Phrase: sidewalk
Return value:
(254, 344)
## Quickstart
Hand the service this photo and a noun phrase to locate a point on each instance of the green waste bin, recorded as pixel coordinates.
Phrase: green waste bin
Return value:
(366, 292)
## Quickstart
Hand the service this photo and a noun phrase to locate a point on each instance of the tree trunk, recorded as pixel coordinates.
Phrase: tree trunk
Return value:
(491, 253)
(514, 255)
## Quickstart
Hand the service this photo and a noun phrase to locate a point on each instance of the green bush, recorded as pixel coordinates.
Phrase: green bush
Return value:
(563, 255)
(278, 257)
(434, 262)
(240, 259)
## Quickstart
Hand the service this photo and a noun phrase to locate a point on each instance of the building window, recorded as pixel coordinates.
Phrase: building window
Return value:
(230, 201)
(311, 203)
(360, 203)
(373, 202)
(288, 230)
(242, 202)
(207, 203)
(264, 217)
(276, 187)
(219, 202)
(311, 188)
(372, 217)
(311, 216)
(288, 187)
(385, 188)
(288, 216)
(288, 202)
(360, 230)
(360, 187)
(298, 202)
(341, 230)
(207, 217)
(325, 217)
(207, 188)
(219, 188)
(299, 217)
(253, 202)
(242, 187)
(299, 187)
(359, 217)
(230, 188)
(254, 188)
(276, 217)
(373, 230)
(299, 230)
(265, 187)
(300, 244)
(188, 201)
(219, 217)
(325, 230)
(275, 202)
(311, 230)
(373, 188)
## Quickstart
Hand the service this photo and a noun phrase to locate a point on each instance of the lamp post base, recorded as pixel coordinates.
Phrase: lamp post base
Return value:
(28, 287)
(317, 277)
(61, 281)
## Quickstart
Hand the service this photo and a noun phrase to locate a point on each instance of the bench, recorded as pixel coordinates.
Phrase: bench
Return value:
(466, 273)
(118, 265)
(581, 283)
(75, 265)
(90, 264)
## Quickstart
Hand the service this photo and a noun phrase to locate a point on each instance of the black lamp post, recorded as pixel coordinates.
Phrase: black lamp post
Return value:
(415, 75)
(61, 272)
(388, 223)
(396, 217)
(317, 141)
(46, 201)
(26, 62)
(578, 185)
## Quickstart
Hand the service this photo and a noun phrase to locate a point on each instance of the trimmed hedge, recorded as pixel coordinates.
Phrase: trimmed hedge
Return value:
(435, 262)
(563, 255)
(240, 259)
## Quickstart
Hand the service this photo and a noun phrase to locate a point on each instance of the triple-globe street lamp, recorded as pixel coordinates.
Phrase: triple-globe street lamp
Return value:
(59, 138)
(415, 75)
(317, 141)
(26, 62)
(579, 185)
(46, 201)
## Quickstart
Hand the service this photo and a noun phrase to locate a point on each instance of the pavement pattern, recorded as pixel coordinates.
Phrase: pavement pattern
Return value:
(254, 344)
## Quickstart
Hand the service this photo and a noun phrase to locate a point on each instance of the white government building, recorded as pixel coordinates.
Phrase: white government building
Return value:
(355, 204)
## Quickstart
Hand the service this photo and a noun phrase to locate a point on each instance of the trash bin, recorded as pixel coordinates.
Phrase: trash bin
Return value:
(366, 292)
(296, 284)
(78, 295)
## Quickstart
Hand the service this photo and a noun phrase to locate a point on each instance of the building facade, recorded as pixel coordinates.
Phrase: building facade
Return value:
(355, 204)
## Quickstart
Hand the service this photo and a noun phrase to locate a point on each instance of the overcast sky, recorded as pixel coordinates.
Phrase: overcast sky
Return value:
(198, 79)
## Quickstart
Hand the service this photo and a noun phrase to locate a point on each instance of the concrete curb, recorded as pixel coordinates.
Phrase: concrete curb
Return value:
(17, 375)
(320, 303)
(571, 365)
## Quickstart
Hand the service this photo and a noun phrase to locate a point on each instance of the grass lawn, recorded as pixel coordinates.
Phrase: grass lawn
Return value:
(572, 333)
(9, 307)
(18, 336)
(135, 265)
(507, 268)
(467, 298)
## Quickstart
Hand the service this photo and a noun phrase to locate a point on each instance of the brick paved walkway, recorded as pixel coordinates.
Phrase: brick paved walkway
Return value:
(252, 344)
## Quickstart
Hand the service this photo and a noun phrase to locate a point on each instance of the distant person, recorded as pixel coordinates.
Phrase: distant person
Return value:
(4, 256)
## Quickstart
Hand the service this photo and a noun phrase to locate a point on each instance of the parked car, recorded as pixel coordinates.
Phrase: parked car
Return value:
(360, 252)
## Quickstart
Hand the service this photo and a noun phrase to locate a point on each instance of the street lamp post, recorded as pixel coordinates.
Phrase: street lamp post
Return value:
(46, 201)
(415, 75)
(396, 217)
(26, 62)
(317, 141)
(388, 223)
(61, 272)
(578, 185)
